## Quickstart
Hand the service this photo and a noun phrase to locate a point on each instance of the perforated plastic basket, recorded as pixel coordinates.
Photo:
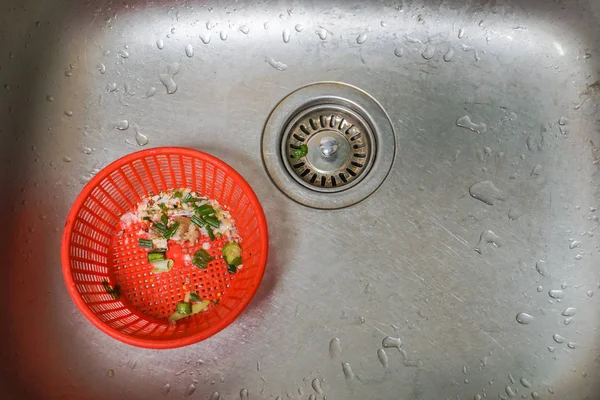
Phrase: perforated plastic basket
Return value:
(93, 252)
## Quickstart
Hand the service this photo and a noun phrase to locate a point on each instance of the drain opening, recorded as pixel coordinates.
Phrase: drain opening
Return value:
(328, 145)
(339, 143)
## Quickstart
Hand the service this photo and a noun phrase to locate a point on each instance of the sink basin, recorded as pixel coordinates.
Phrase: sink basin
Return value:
(469, 271)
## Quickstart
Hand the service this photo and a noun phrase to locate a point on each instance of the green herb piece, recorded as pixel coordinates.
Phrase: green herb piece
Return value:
(183, 308)
(190, 199)
(210, 232)
(178, 195)
(145, 243)
(164, 219)
(201, 259)
(163, 206)
(146, 218)
(115, 292)
(171, 231)
(301, 152)
(155, 256)
(216, 302)
(204, 210)
(194, 298)
(232, 269)
(212, 221)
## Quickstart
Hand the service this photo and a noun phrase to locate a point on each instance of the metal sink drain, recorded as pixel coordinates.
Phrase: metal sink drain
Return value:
(328, 145)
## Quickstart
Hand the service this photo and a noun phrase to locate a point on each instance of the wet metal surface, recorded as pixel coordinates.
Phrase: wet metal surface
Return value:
(472, 270)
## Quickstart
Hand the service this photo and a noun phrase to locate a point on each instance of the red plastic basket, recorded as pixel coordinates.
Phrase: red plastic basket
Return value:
(92, 252)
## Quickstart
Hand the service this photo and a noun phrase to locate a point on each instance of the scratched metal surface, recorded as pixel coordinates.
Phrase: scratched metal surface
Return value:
(400, 264)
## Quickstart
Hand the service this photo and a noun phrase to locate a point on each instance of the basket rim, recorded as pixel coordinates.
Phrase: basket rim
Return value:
(161, 343)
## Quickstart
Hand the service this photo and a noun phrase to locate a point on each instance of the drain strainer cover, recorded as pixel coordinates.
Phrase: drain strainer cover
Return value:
(328, 145)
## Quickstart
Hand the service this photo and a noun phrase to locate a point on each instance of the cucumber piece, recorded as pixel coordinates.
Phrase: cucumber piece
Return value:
(194, 298)
(176, 317)
(198, 307)
(201, 259)
(155, 256)
(183, 308)
(232, 253)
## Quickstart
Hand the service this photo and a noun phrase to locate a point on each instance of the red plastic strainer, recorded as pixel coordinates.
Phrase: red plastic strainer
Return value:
(93, 252)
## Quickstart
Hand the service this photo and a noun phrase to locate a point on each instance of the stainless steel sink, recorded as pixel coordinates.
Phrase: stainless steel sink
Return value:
(470, 272)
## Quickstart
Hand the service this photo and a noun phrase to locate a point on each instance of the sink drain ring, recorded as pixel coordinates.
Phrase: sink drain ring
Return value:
(349, 145)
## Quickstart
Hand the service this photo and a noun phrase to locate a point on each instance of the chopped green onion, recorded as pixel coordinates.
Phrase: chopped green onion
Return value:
(194, 297)
(161, 228)
(163, 206)
(198, 307)
(146, 218)
(162, 266)
(210, 232)
(155, 256)
(201, 259)
(197, 221)
(183, 308)
(212, 221)
(190, 199)
(171, 231)
(115, 292)
(146, 243)
(232, 269)
(301, 152)
(178, 195)
(204, 210)
(164, 219)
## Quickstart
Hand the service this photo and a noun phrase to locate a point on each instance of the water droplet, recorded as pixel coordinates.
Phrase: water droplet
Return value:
(316, 385)
(569, 311)
(312, 397)
(322, 33)
(190, 390)
(486, 192)
(122, 125)
(449, 55)
(399, 51)
(286, 35)
(102, 68)
(524, 318)
(461, 33)
(110, 373)
(67, 159)
(69, 113)
(535, 396)
(465, 122)
(124, 53)
(335, 348)
(556, 293)
(487, 237)
(258, 366)
(347, 369)
(151, 92)
(465, 370)
(572, 345)
(49, 98)
(276, 64)
(244, 29)
(299, 28)
(540, 288)
(562, 120)
(383, 358)
(477, 397)
(514, 214)
(160, 44)
(568, 320)
(429, 52)
(537, 169)
(389, 341)
(205, 37)
(166, 389)
(223, 35)
(167, 78)
(87, 150)
(558, 338)
(525, 383)
(510, 391)
(574, 244)
(111, 87)
(244, 395)
(540, 267)
(189, 50)
(215, 396)
(360, 39)
(551, 349)
(590, 293)
(140, 138)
